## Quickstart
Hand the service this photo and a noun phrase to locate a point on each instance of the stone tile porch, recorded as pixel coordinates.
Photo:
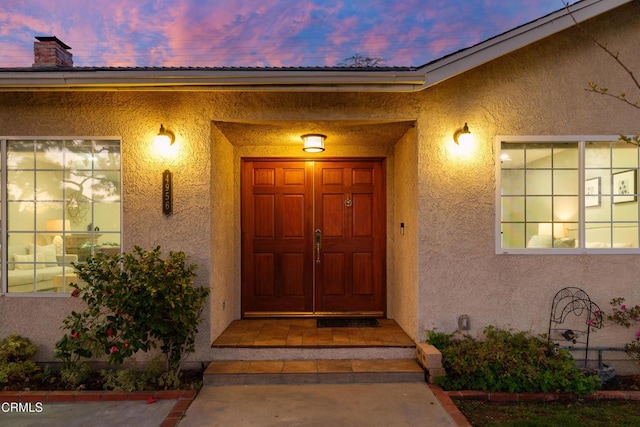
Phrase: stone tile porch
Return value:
(295, 351)
(296, 333)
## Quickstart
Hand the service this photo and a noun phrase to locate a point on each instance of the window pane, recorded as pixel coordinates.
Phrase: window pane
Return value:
(625, 236)
(49, 185)
(20, 185)
(513, 236)
(539, 209)
(20, 216)
(565, 182)
(539, 182)
(107, 155)
(107, 217)
(624, 155)
(625, 211)
(566, 208)
(513, 209)
(599, 213)
(598, 236)
(49, 155)
(538, 156)
(566, 155)
(47, 211)
(597, 155)
(106, 186)
(512, 156)
(512, 182)
(78, 154)
(78, 185)
(20, 155)
(571, 230)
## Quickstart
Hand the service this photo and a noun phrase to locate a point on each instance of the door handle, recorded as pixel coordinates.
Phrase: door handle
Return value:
(318, 245)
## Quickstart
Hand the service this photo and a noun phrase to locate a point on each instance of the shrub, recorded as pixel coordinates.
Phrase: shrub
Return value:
(626, 316)
(508, 361)
(135, 302)
(16, 366)
(132, 379)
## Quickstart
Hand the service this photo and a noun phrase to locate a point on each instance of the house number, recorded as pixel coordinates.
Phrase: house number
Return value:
(167, 193)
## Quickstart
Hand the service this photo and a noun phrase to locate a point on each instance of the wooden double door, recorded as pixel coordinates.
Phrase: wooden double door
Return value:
(313, 237)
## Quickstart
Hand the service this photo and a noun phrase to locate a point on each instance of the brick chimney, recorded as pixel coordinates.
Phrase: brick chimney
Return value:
(51, 52)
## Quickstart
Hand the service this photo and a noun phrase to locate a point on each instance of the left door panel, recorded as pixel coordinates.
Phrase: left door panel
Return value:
(277, 214)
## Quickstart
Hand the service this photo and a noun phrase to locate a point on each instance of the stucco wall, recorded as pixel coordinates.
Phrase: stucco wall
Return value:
(539, 90)
(224, 294)
(135, 118)
(405, 304)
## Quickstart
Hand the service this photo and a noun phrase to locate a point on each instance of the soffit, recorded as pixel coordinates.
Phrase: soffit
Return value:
(287, 133)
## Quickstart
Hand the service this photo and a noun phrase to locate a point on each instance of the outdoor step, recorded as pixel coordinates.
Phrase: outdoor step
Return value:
(311, 353)
(318, 371)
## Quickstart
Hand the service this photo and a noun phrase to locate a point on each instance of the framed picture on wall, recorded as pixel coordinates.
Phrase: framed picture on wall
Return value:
(625, 186)
(592, 192)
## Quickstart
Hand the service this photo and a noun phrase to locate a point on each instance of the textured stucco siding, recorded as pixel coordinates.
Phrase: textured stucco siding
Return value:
(539, 90)
(405, 304)
(135, 118)
(445, 264)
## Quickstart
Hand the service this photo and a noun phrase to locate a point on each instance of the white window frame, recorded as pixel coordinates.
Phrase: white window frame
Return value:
(532, 139)
(4, 267)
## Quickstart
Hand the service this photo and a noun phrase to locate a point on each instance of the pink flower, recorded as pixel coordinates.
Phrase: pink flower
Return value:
(109, 332)
(113, 349)
(125, 345)
(75, 293)
(76, 335)
(638, 334)
(623, 307)
(597, 313)
(591, 321)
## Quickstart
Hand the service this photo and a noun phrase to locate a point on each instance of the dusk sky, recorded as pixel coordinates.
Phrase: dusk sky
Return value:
(257, 33)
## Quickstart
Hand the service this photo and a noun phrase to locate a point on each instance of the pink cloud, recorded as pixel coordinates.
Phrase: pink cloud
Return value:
(255, 32)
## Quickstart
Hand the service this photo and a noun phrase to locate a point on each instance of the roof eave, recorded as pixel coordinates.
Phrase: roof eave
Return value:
(221, 80)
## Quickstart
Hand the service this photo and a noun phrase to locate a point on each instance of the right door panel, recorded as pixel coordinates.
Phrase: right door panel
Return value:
(350, 212)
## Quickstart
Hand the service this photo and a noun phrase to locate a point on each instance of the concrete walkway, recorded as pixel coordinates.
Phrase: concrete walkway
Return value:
(83, 414)
(344, 405)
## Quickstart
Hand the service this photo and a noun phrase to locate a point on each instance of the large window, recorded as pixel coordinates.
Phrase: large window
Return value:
(567, 195)
(61, 203)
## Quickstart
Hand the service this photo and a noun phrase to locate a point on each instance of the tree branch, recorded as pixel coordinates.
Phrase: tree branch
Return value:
(615, 55)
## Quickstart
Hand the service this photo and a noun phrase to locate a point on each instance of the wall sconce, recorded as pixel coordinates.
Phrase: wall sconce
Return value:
(463, 136)
(313, 143)
(164, 139)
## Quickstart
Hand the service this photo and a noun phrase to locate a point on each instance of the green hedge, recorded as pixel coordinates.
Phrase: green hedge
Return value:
(508, 361)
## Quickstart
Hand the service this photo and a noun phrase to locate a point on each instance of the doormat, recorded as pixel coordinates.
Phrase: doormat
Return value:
(347, 322)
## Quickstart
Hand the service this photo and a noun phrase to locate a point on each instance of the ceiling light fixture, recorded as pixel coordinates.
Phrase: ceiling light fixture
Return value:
(313, 143)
